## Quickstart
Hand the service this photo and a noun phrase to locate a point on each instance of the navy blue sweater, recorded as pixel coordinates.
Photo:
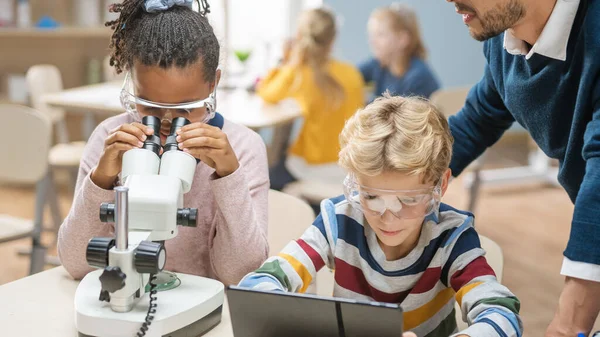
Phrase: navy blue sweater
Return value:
(418, 80)
(559, 104)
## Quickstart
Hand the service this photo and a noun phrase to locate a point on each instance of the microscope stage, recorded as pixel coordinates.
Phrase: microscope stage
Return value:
(191, 309)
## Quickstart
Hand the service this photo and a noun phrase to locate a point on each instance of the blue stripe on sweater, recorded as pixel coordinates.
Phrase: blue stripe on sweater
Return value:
(468, 221)
(494, 325)
(328, 206)
(509, 315)
(254, 280)
(352, 233)
(448, 208)
(320, 224)
(465, 242)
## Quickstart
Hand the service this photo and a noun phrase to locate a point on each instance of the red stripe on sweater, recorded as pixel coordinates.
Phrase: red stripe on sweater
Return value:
(312, 254)
(477, 267)
(353, 279)
(428, 280)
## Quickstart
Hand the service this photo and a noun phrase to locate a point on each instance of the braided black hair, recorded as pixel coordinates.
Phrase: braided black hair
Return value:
(178, 37)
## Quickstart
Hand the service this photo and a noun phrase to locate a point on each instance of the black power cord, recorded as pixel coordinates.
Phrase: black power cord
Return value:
(151, 307)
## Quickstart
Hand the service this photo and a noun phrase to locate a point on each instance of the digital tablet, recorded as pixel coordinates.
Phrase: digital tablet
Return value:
(256, 313)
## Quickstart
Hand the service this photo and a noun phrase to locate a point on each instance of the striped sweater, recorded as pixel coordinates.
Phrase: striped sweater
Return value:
(446, 266)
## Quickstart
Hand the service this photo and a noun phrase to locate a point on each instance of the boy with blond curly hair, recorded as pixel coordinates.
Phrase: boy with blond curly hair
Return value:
(390, 239)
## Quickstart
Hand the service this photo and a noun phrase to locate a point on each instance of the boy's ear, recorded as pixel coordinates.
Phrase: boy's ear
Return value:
(446, 180)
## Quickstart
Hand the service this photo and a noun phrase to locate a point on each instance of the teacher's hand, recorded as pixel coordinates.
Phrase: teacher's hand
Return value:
(578, 307)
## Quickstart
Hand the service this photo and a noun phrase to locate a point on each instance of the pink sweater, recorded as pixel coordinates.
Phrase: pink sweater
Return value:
(230, 239)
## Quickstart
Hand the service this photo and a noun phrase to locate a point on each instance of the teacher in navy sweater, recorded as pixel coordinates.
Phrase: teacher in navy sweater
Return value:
(543, 71)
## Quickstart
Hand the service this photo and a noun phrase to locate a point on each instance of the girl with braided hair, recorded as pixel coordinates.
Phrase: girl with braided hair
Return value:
(170, 54)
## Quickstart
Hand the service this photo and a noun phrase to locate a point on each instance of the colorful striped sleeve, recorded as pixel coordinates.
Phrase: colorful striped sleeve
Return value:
(488, 307)
(295, 267)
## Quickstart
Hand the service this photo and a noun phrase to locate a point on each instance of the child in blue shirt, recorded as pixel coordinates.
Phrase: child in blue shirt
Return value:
(398, 65)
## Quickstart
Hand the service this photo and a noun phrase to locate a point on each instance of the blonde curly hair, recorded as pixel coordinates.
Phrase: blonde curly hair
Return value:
(398, 134)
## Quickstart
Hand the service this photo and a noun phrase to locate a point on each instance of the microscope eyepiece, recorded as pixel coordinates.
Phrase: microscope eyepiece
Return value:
(152, 143)
(171, 143)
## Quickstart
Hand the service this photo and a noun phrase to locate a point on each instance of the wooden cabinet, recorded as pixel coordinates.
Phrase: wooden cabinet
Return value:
(69, 48)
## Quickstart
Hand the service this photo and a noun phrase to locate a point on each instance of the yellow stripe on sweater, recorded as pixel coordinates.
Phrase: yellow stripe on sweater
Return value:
(300, 270)
(464, 290)
(414, 318)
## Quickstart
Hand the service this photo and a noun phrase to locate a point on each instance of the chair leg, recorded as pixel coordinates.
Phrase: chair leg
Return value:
(62, 132)
(52, 198)
(279, 143)
(38, 252)
(474, 190)
(476, 184)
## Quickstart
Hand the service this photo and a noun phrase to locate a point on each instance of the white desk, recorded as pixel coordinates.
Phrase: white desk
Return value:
(239, 106)
(42, 306)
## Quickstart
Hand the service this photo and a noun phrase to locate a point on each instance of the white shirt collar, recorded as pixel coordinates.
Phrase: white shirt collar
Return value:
(554, 39)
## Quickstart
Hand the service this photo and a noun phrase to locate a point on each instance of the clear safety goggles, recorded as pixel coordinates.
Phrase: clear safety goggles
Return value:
(139, 107)
(404, 204)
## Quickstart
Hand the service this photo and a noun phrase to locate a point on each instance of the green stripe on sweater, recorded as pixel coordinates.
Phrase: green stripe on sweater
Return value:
(274, 269)
(510, 303)
(446, 328)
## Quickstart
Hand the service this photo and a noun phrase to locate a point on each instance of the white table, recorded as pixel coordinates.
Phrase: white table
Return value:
(42, 306)
(239, 106)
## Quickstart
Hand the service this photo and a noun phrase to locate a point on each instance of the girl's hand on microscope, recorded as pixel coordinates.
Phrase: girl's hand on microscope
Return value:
(119, 140)
(210, 145)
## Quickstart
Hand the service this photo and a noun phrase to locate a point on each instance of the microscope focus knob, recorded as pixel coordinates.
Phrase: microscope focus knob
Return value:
(107, 212)
(150, 257)
(97, 250)
(187, 217)
(112, 279)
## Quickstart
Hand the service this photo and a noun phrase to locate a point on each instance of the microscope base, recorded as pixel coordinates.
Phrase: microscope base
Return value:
(191, 309)
(197, 328)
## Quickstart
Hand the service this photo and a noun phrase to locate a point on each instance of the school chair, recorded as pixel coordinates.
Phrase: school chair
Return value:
(27, 163)
(314, 191)
(289, 217)
(46, 79)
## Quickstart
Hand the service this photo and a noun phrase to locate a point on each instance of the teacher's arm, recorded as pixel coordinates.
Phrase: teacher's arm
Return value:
(579, 302)
(480, 123)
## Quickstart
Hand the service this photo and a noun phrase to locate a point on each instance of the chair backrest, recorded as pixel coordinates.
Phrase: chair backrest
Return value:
(493, 255)
(44, 79)
(289, 217)
(449, 101)
(30, 133)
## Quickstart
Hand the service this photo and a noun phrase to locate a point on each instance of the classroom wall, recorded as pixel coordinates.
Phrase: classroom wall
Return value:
(456, 57)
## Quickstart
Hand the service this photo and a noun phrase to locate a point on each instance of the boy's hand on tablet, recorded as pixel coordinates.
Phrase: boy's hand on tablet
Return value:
(119, 140)
(210, 145)
(408, 334)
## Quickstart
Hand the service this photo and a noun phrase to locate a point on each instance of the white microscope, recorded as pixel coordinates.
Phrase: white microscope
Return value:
(112, 301)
